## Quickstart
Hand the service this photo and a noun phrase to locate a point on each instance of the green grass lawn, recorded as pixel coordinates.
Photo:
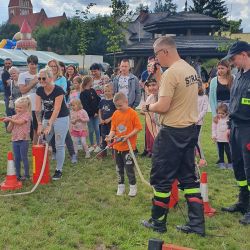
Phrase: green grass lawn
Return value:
(81, 211)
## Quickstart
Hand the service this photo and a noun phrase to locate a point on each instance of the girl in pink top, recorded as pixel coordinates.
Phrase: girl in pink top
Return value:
(75, 93)
(79, 128)
(219, 135)
(19, 126)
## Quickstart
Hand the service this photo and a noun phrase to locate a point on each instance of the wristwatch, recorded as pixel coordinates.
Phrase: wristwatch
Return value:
(147, 107)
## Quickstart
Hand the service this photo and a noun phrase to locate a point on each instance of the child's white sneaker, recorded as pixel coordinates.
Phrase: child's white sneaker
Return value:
(120, 189)
(87, 156)
(91, 149)
(97, 149)
(132, 190)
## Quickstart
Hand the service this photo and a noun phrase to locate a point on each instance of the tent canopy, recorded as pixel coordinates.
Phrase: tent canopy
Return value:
(19, 57)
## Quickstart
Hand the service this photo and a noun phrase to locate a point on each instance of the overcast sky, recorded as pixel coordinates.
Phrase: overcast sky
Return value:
(237, 8)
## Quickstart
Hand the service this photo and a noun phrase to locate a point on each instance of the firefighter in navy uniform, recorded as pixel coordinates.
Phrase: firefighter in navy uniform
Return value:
(239, 127)
(173, 150)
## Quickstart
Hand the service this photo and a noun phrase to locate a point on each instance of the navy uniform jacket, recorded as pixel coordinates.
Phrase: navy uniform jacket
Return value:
(239, 107)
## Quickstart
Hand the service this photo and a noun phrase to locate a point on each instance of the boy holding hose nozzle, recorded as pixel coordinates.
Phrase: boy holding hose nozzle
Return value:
(125, 124)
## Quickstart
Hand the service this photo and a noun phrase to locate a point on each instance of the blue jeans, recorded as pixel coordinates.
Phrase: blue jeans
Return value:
(20, 149)
(93, 126)
(60, 129)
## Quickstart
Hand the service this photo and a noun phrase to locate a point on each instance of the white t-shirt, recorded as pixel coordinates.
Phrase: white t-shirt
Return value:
(123, 85)
(24, 79)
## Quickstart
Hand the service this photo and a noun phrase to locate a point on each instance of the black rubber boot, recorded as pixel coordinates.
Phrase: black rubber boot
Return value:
(242, 204)
(196, 222)
(246, 218)
(159, 217)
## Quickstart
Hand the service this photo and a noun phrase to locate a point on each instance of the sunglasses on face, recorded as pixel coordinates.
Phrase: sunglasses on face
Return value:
(42, 78)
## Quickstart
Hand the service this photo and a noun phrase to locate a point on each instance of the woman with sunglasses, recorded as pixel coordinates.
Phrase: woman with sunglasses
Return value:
(55, 120)
(61, 81)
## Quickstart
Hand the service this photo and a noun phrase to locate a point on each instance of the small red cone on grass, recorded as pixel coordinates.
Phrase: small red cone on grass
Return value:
(208, 210)
(174, 247)
(11, 182)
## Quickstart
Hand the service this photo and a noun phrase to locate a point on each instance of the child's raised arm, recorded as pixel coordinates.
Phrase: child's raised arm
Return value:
(15, 121)
(83, 116)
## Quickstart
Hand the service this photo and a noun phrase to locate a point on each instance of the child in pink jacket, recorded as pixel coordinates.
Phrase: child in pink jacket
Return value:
(78, 126)
(219, 135)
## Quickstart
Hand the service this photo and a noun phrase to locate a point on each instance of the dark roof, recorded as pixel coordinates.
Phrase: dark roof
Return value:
(136, 28)
(183, 20)
(202, 46)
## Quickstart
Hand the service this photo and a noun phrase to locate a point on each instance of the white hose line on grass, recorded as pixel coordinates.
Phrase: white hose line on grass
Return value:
(136, 164)
(39, 178)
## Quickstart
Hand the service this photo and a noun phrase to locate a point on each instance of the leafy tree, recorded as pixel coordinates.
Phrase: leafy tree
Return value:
(73, 36)
(235, 26)
(142, 7)
(98, 44)
(217, 9)
(42, 36)
(168, 6)
(213, 8)
(83, 29)
(7, 31)
(119, 8)
(62, 39)
(200, 6)
(114, 30)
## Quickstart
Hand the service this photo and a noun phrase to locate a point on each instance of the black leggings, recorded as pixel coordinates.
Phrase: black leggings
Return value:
(198, 128)
(224, 147)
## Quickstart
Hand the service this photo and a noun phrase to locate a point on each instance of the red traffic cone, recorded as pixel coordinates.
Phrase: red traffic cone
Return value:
(208, 210)
(174, 197)
(11, 182)
(174, 247)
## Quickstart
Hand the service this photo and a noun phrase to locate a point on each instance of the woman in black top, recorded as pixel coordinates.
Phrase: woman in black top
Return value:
(220, 86)
(56, 115)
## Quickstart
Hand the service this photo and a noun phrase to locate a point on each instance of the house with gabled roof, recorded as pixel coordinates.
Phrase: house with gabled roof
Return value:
(20, 10)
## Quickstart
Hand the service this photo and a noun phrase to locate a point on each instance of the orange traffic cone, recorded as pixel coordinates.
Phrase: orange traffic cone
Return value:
(11, 182)
(208, 210)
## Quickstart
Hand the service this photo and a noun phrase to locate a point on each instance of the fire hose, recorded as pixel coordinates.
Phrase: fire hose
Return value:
(39, 178)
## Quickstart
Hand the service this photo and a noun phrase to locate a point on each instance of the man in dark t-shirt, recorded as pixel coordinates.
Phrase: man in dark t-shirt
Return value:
(6, 84)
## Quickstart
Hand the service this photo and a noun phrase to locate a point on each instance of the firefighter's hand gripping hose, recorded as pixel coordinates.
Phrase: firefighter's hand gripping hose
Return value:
(39, 178)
